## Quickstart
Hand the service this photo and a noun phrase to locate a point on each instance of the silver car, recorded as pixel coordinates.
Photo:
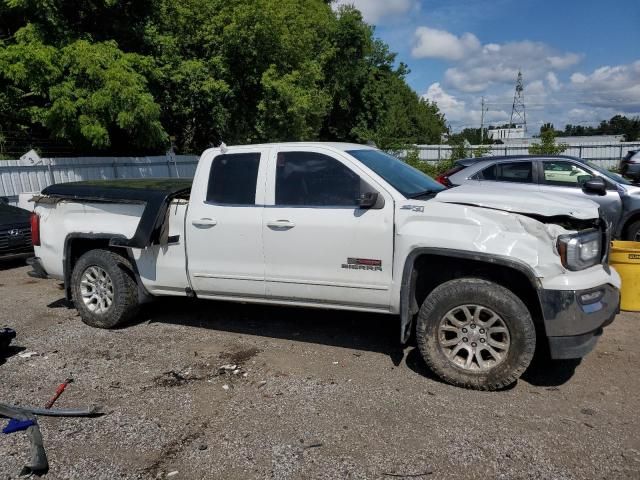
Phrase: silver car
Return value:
(619, 200)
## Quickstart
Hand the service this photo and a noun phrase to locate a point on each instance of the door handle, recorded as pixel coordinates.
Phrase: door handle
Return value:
(204, 222)
(281, 224)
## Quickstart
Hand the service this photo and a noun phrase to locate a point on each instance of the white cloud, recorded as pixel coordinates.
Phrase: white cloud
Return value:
(553, 82)
(434, 43)
(376, 11)
(554, 90)
(560, 62)
(578, 78)
(615, 87)
(500, 63)
(456, 111)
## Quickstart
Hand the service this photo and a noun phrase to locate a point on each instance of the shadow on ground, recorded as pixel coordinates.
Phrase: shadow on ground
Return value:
(362, 331)
(544, 372)
(13, 262)
(8, 352)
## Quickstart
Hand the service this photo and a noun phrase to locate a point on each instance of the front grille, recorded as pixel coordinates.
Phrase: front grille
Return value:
(15, 238)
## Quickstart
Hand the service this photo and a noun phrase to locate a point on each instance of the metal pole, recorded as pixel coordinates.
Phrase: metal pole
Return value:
(50, 171)
(481, 120)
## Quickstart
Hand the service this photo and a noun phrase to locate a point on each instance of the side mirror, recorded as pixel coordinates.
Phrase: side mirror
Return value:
(595, 185)
(368, 199)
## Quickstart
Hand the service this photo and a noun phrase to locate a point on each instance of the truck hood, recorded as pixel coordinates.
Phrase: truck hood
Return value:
(518, 201)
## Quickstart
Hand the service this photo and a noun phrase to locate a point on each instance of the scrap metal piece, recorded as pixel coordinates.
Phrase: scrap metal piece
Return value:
(92, 411)
(39, 464)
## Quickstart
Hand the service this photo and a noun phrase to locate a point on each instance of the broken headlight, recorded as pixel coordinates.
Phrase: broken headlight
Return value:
(581, 250)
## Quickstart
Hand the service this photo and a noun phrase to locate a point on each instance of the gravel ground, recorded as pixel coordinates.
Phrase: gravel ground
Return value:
(317, 395)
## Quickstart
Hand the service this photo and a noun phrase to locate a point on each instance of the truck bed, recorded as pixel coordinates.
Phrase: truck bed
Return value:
(155, 193)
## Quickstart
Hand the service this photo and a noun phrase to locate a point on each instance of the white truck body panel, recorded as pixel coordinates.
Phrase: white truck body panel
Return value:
(307, 258)
(59, 220)
(162, 267)
(240, 255)
(224, 242)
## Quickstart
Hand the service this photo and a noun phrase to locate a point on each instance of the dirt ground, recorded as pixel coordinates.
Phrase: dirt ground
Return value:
(316, 394)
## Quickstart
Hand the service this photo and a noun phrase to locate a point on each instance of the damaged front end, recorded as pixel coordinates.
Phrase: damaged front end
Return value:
(562, 249)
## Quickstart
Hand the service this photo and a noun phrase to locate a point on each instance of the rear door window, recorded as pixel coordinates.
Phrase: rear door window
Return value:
(233, 179)
(517, 172)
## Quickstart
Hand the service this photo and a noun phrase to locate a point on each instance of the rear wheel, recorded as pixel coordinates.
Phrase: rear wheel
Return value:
(104, 289)
(475, 334)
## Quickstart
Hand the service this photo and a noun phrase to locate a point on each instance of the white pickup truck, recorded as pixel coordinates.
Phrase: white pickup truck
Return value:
(481, 273)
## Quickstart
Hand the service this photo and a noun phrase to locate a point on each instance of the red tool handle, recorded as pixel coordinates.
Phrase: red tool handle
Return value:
(59, 391)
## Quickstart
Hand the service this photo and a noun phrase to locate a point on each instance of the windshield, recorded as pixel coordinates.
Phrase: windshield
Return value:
(409, 181)
(610, 175)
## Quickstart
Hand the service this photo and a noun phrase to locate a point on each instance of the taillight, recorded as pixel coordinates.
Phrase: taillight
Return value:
(444, 180)
(35, 229)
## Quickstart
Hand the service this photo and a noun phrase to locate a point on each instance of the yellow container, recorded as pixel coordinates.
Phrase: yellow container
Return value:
(625, 258)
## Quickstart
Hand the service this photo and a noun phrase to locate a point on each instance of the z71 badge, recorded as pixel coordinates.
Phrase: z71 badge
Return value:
(363, 264)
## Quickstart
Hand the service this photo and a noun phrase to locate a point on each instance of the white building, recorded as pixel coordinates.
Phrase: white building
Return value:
(506, 133)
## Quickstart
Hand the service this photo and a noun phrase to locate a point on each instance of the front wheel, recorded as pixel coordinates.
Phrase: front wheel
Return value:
(633, 232)
(104, 289)
(475, 334)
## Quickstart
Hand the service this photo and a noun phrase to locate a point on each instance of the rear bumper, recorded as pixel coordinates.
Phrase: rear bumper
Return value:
(16, 255)
(38, 270)
(574, 319)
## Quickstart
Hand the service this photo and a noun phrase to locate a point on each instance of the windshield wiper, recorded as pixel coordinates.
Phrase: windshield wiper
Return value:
(422, 194)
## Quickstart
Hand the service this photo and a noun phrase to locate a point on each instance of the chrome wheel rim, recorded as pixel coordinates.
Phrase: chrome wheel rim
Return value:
(474, 337)
(96, 289)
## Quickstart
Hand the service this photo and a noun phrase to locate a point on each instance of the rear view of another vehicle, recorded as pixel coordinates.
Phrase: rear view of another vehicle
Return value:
(15, 231)
(458, 166)
(630, 165)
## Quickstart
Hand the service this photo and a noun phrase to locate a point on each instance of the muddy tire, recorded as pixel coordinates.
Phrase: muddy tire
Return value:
(104, 289)
(475, 334)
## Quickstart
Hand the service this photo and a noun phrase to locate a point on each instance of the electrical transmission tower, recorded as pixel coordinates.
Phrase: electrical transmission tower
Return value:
(518, 114)
(484, 109)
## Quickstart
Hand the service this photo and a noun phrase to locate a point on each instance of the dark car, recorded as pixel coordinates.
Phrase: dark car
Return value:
(630, 165)
(619, 200)
(15, 231)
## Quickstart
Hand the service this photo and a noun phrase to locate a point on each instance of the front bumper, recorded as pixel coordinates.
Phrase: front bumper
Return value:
(574, 319)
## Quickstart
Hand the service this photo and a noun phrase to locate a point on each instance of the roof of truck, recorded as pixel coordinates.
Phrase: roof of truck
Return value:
(342, 146)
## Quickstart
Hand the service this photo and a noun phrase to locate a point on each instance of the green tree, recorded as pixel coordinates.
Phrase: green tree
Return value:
(547, 145)
(123, 76)
(616, 125)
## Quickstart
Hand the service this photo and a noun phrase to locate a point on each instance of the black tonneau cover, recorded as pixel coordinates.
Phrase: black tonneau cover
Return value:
(155, 193)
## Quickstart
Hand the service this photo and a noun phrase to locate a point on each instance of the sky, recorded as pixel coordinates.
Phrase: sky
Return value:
(580, 60)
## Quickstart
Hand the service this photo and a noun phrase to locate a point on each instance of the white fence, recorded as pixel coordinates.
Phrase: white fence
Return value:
(605, 155)
(16, 178)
